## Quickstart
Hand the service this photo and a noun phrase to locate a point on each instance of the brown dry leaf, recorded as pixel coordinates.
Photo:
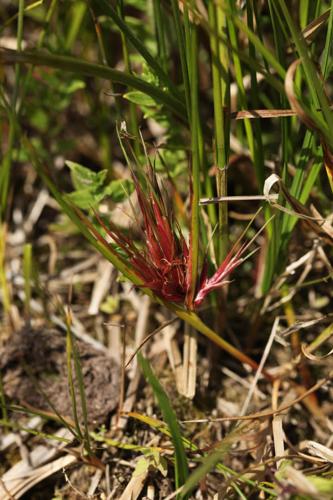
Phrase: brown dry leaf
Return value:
(290, 92)
(135, 485)
(318, 450)
(299, 481)
(26, 473)
(277, 424)
(312, 357)
(16, 487)
(303, 116)
(262, 113)
(311, 30)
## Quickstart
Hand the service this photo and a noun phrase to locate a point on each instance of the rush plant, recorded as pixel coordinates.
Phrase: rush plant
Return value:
(147, 266)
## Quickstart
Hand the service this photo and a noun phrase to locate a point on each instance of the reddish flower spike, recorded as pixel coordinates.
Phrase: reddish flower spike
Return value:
(218, 279)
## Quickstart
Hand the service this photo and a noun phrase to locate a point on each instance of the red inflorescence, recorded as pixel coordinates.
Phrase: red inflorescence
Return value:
(162, 262)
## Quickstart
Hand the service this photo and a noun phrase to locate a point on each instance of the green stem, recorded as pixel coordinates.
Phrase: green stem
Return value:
(134, 128)
(191, 43)
(193, 319)
(220, 59)
(19, 48)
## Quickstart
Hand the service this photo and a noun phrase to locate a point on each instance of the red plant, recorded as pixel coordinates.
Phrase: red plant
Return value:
(162, 262)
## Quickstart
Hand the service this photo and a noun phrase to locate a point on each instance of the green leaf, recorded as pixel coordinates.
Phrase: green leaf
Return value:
(110, 305)
(323, 485)
(40, 120)
(119, 189)
(142, 466)
(73, 86)
(85, 198)
(83, 177)
(140, 98)
(169, 416)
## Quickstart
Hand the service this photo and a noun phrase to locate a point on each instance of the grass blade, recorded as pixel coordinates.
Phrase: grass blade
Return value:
(138, 45)
(210, 462)
(82, 67)
(181, 465)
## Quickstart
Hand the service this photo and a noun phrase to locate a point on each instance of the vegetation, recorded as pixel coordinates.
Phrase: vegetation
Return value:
(166, 210)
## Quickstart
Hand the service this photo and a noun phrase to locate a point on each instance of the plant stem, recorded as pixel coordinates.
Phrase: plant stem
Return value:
(221, 89)
(191, 39)
(192, 318)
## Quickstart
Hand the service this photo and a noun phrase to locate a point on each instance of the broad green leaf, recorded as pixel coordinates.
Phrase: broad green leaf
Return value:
(83, 177)
(85, 198)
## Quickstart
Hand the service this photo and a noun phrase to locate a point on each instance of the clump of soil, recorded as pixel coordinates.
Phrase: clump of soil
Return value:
(34, 365)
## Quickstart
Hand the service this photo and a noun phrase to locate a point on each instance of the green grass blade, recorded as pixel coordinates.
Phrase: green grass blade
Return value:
(191, 41)
(70, 376)
(257, 143)
(192, 447)
(137, 44)
(133, 118)
(73, 353)
(169, 416)
(327, 53)
(211, 461)
(160, 34)
(240, 83)
(42, 435)
(221, 99)
(3, 402)
(182, 54)
(28, 8)
(269, 56)
(77, 13)
(4, 286)
(6, 166)
(82, 67)
(324, 118)
(19, 48)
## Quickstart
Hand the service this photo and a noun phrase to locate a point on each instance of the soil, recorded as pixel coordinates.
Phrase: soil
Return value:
(37, 359)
